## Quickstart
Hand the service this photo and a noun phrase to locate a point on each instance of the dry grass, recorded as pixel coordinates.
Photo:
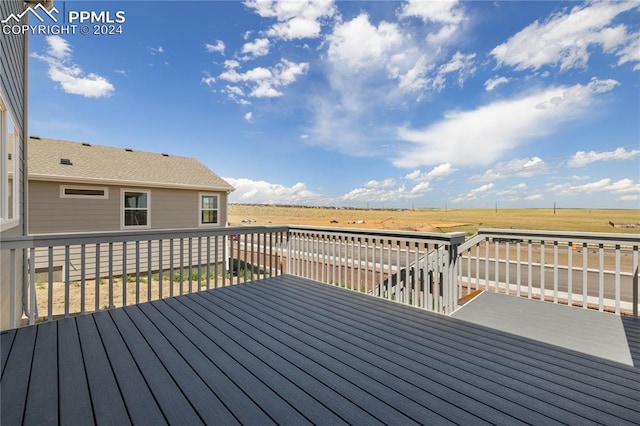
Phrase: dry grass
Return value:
(440, 220)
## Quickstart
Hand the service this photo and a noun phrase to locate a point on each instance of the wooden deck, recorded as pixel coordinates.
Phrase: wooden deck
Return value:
(291, 351)
(589, 331)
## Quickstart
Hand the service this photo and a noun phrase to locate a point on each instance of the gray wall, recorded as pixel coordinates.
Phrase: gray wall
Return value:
(12, 81)
(169, 209)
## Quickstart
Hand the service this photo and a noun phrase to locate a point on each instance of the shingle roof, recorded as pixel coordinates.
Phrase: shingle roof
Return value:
(116, 166)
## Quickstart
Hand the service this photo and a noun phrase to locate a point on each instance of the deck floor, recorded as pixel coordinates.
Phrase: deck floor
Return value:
(286, 350)
(584, 330)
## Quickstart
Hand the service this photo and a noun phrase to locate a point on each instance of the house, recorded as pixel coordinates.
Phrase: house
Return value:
(81, 187)
(13, 130)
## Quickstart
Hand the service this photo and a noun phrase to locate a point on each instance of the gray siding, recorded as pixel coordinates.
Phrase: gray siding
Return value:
(169, 209)
(12, 64)
(12, 82)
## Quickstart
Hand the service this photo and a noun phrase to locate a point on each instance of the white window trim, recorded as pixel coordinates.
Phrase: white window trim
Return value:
(148, 192)
(4, 170)
(208, 194)
(85, 197)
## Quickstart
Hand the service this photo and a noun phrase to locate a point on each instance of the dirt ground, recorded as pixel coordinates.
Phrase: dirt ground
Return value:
(439, 220)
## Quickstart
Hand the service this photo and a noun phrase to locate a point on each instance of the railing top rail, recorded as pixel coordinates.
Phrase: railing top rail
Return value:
(450, 238)
(471, 242)
(569, 236)
(46, 240)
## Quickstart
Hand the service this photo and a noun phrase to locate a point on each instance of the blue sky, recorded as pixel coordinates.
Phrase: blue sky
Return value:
(380, 104)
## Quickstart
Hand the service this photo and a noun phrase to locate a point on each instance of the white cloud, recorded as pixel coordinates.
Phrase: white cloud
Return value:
(582, 158)
(208, 79)
(635, 197)
(259, 47)
(534, 197)
(385, 193)
(464, 65)
(566, 39)
(622, 186)
(492, 83)
(446, 15)
(445, 12)
(156, 50)
(357, 44)
(631, 52)
(59, 48)
(69, 75)
(411, 186)
(263, 82)
(261, 192)
(236, 94)
(483, 135)
(249, 116)
(295, 19)
(519, 167)
(514, 191)
(218, 47)
(480, 191)
(437, 173)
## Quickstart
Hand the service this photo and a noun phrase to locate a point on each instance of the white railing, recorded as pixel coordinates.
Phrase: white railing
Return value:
(590, 270)
(379, 263)
(68, 274)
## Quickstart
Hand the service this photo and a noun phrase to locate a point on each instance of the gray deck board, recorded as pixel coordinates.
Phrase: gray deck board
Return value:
(632, 330)
(399, 379)
(623, 393)
(17, 372)
(191, 384)
(74, 400)
(506, 380)
(42, 399)
(6, 340)
(462, 335)
(267, 380)
(206, 357)
(286, 350)
(175, 406)
(139, 400)
(108, 405)
(269, 401)
(582, 330)
(337, 377)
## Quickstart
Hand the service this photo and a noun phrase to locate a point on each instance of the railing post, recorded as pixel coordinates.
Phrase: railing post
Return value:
(634, 281)
(33, 305)
(13, 289)
(288, 251)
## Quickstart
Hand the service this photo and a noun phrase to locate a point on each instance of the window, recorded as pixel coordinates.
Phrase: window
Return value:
(135, 209)
(83, 192)
(208, 209)
(9, 169)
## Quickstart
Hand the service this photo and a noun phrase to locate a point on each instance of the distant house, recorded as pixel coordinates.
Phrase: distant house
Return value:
(81, 187)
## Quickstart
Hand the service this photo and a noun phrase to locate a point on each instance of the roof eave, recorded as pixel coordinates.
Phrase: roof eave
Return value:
(116, 182)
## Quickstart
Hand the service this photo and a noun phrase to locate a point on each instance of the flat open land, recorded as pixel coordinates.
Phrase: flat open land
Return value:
(439, 220)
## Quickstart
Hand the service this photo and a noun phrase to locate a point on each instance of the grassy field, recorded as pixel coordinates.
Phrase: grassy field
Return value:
(440, 220)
